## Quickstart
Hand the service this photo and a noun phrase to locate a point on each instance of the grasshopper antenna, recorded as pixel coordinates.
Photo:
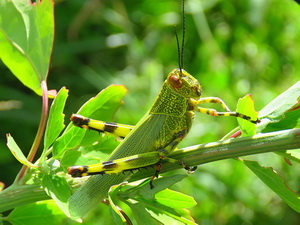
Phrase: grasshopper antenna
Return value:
(183, 34)
(180, 50)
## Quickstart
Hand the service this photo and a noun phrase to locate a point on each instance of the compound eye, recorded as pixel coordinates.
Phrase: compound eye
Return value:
(175, 81)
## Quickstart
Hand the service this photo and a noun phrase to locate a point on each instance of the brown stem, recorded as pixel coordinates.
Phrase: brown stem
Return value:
(40, 132)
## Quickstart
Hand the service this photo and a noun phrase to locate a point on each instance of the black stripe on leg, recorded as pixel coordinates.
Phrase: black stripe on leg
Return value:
(79, 121)
(77, 171)
(243, 116)
(109, 165)
(110, 127)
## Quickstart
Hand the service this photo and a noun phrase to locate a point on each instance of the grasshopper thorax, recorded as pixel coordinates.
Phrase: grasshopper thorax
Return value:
(184, 83)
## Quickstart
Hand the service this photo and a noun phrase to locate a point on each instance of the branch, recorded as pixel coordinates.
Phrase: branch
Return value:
(18, 195)
(210, 152)
(40, 132)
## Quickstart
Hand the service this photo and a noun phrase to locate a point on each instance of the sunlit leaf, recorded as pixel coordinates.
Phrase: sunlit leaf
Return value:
(26, 37)
(17, 152)
(43, 212)
(246, 106)
(114, 210)
(277, 108)
(55, 122)
(58, 189)
(175, 199)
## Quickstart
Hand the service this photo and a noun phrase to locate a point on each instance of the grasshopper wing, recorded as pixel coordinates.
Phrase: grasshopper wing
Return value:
(141, 139)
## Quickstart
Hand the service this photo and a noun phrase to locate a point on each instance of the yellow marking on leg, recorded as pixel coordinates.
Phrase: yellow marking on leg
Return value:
(214, 112)
(214, 100)
(116, 166)
(118, 130)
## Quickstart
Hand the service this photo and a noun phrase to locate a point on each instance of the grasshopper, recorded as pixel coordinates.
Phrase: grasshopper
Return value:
(160, 130)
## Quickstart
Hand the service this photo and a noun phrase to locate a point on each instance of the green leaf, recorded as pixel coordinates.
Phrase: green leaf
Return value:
(91, 154)
(141, 215)
(246, 106)
(293, 155)
(114, 210)
(160, 184)
(277, 108)
(55, 122)
(43, 212)
(274, 181)
(102, 106)
(154, 205)
(17, 152)
(165, 214)
(58, 189)
(68, 140)
(291, 120)
(116, 217)
(26, 37)
(175, 199)
(143, 188)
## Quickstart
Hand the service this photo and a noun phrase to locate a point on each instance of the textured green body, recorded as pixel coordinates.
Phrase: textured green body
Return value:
(160, 126)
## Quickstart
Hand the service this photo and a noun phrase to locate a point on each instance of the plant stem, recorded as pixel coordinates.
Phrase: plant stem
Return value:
(210, 152)
(17, 195)
(40, 132)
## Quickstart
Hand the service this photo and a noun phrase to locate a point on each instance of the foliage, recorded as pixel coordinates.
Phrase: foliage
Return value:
(232, 48)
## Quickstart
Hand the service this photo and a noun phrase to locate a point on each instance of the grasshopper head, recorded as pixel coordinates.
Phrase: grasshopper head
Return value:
(184, 83)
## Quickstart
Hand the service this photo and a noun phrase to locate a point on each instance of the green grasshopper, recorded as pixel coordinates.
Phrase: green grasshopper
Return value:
(160, 130)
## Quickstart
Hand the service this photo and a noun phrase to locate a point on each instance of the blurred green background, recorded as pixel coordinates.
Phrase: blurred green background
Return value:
(232, 47)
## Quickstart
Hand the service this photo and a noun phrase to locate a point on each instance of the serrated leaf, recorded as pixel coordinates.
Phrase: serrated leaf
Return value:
(175, 199)
(274, 181)
(291, 120)
(43, 212)
(276, 109)
(58, 189)
(26, 37)
(17, 152)
(55, 123)
(246, 106)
